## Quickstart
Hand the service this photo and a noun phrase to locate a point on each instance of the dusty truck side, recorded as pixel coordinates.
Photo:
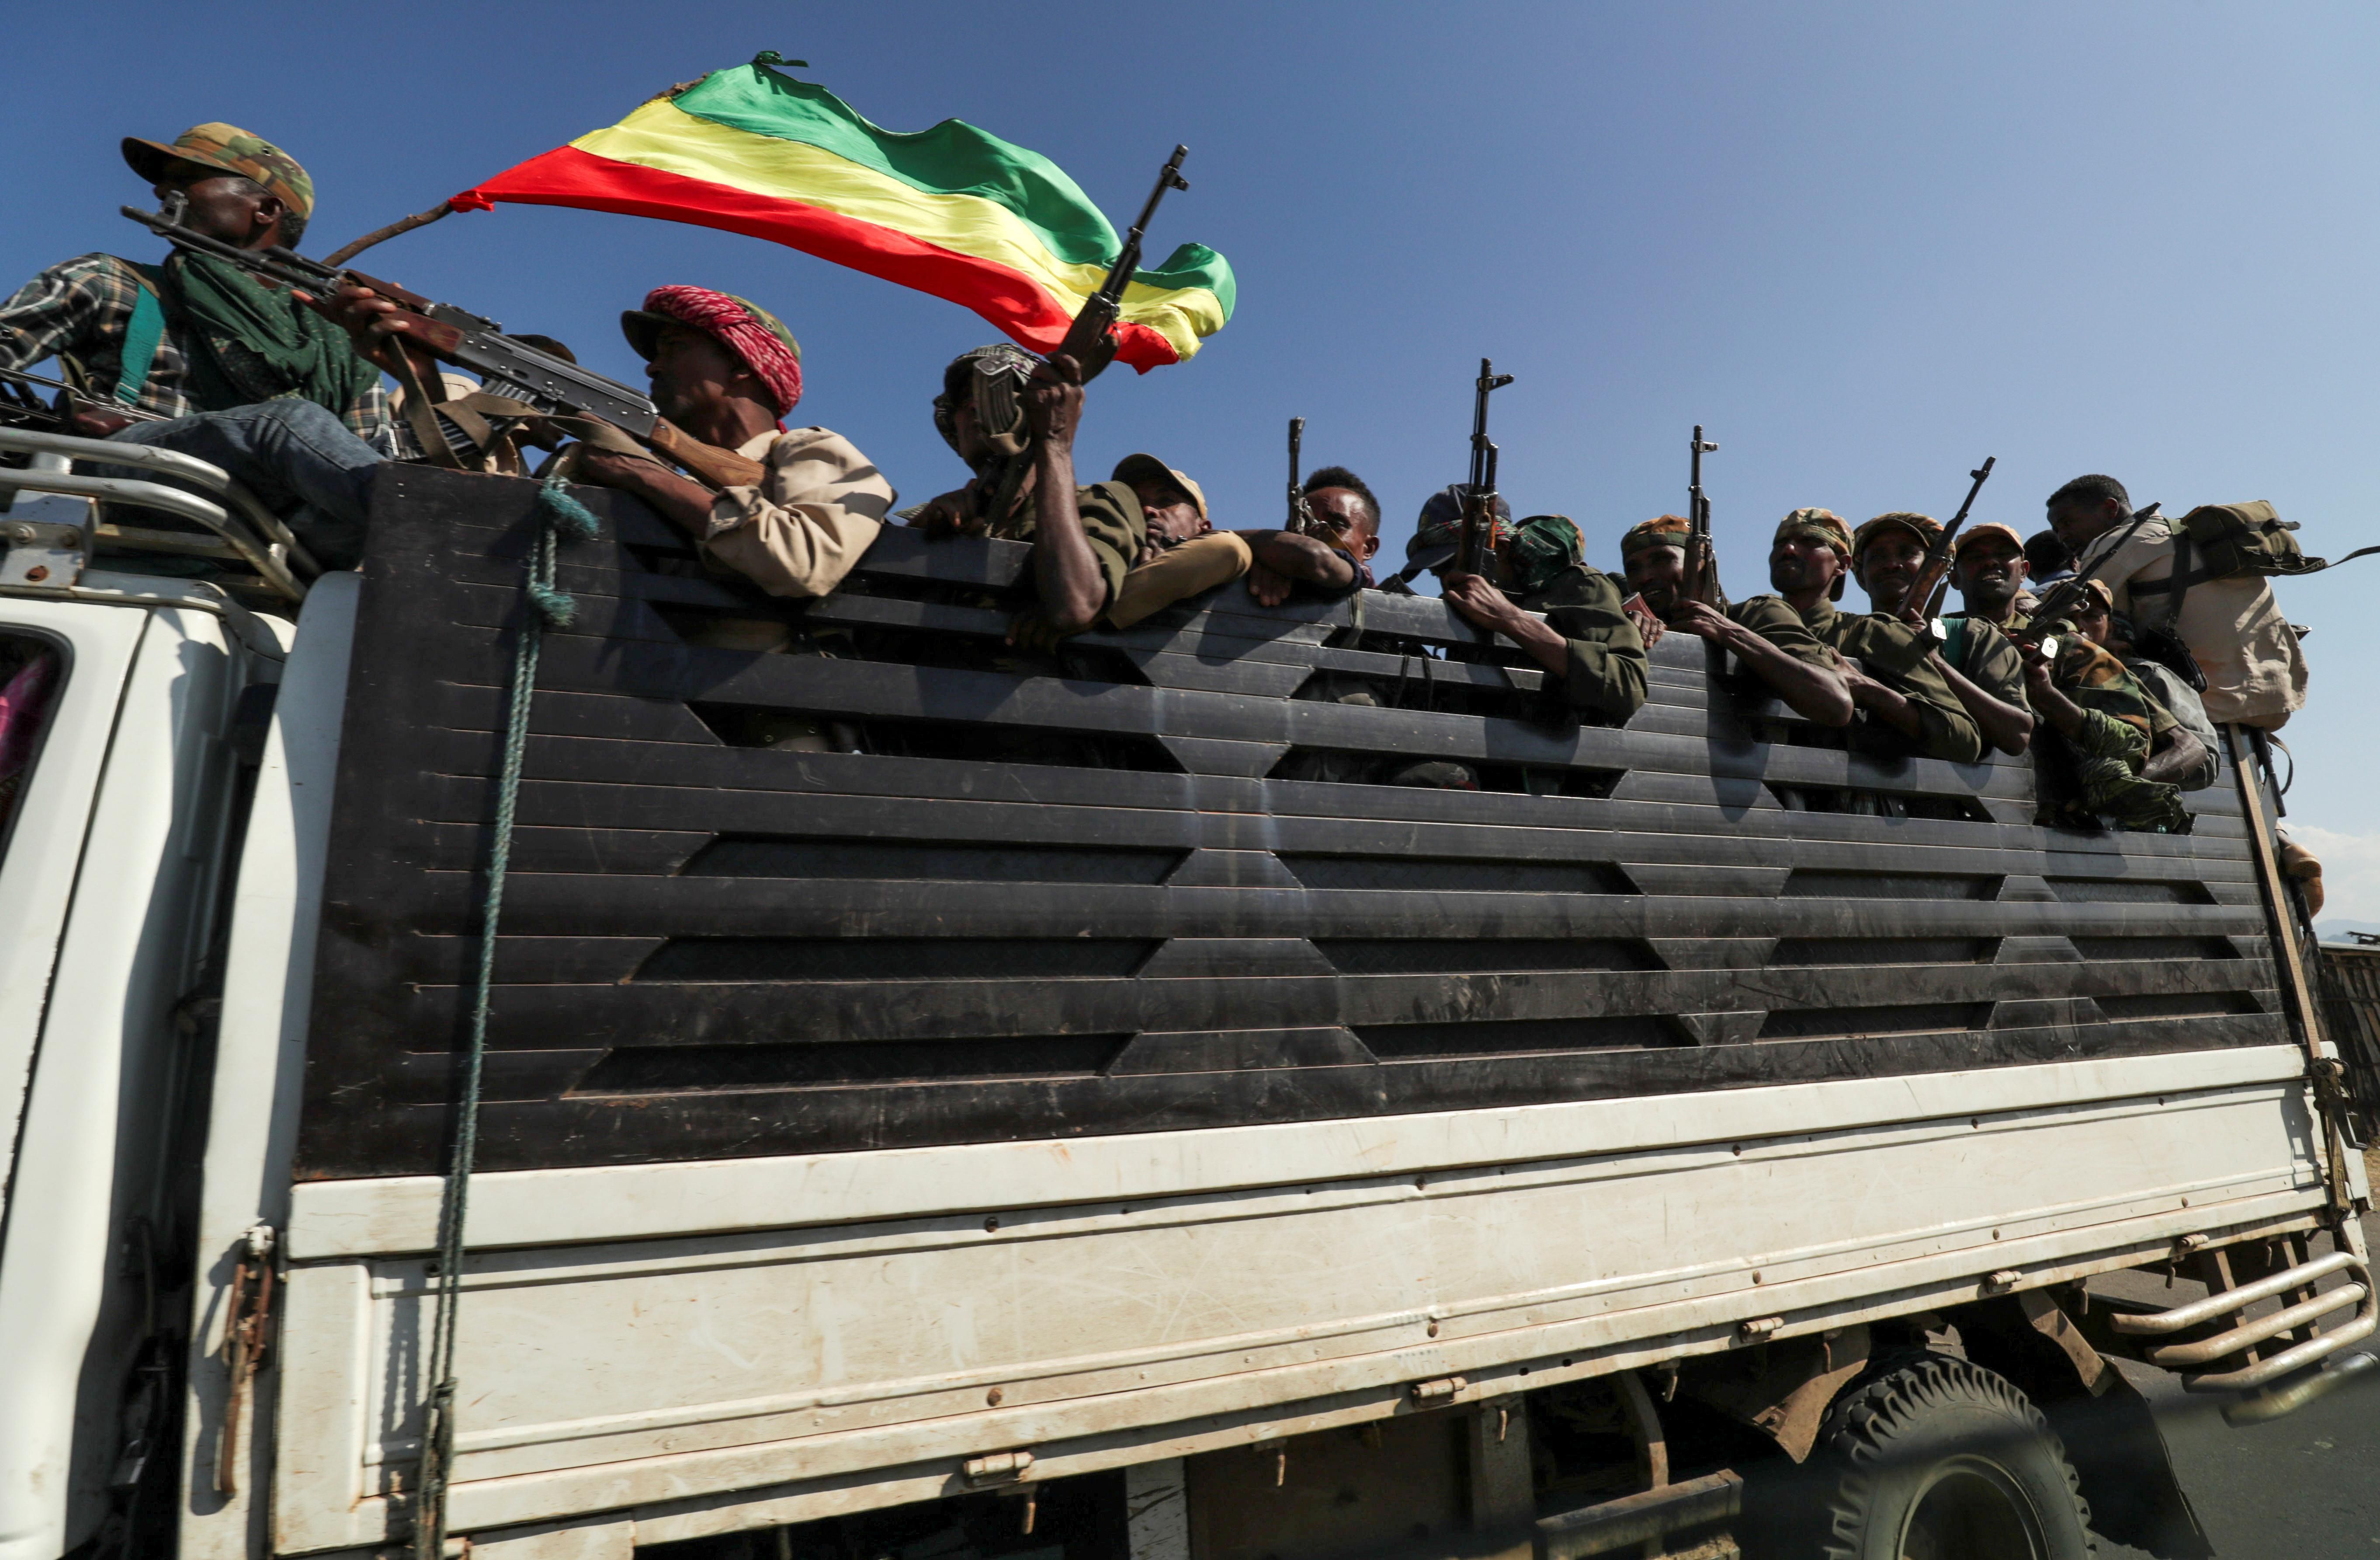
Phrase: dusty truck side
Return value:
(938, 1102)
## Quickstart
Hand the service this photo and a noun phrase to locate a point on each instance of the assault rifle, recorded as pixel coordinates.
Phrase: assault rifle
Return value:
(428, 332)
(1926, 592)
(1089, 340)
(1301, 514)
(2062, 597)
(1471, 556)
(20, 407)
(1701, 583)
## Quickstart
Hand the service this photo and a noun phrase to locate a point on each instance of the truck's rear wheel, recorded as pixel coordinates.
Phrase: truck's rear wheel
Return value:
(1935, 1458)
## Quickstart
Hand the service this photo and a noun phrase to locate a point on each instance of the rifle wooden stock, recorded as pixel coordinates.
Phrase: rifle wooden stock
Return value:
(708, 464)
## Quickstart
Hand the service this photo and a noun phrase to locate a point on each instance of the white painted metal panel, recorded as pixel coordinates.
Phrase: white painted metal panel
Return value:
(259, 1059)
(93, 1119)
(399, 1213)
(37, 878)
(834, 1355)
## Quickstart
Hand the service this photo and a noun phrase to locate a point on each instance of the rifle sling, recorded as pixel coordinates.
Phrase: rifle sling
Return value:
(142, 336)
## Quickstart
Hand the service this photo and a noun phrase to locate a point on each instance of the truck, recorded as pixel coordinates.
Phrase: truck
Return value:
(930, 1099)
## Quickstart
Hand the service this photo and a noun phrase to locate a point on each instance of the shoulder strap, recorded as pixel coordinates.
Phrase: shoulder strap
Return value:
(2185, 561)
(142, 336)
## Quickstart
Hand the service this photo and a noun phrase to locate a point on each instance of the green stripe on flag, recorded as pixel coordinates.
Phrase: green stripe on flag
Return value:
(1191, 265)
(952, 157)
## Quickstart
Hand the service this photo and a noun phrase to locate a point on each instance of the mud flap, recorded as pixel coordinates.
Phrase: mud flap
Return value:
(2120, 1454)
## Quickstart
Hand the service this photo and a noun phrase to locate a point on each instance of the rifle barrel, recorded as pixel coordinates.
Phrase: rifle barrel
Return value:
(1299, 515)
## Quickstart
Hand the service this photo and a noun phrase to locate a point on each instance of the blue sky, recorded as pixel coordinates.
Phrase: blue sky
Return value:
(1867, 245)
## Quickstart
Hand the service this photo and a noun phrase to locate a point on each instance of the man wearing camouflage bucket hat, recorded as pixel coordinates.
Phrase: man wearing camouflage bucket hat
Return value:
(1766, 635)
(1593, 655)
(1973, 659)
(729, 372)
(195, 355)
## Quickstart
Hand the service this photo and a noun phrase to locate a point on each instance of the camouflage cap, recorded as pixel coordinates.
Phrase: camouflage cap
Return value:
(230, 149)
(1662, 530)
(1968, 534)
(1925, 528)
(1820, 525)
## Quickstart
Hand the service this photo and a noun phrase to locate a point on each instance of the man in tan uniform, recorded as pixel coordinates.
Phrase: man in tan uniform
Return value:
(727, 372)
(2255, 672)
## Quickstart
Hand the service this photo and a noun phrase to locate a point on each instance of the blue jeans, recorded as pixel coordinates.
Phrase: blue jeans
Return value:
(299, 460)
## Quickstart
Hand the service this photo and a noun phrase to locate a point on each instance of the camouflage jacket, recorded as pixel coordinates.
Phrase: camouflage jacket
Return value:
(2119, 716)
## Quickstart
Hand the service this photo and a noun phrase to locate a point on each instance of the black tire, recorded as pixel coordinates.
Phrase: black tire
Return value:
(1934, 1459)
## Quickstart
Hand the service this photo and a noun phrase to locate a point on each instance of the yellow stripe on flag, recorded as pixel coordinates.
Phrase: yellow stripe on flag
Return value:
(662, 137)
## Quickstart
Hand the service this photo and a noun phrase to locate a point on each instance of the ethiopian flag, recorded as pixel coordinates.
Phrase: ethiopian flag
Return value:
(950, 210)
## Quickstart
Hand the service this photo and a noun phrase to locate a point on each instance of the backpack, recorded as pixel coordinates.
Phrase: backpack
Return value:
(2232, 540)
(2218, 542)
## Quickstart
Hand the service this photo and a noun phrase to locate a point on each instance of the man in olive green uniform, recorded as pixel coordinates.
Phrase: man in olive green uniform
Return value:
(1767, 638)
(1975, 660)
(1892, 682)
(1593, 655)
(996, 403)
(1989, 565)
(2108, 720)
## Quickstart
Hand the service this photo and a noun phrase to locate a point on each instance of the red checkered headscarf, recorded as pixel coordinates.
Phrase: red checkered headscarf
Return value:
(744, 328)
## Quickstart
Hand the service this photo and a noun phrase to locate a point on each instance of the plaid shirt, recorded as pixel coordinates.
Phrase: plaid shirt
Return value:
(77, 312)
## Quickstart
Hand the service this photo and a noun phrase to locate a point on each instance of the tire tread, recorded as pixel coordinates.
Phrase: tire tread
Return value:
(1889, 1402)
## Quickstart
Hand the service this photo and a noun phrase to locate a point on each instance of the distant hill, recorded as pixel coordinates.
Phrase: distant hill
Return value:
(2336, 930)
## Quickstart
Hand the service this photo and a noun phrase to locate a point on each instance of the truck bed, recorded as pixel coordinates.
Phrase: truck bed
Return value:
(1051, 1077)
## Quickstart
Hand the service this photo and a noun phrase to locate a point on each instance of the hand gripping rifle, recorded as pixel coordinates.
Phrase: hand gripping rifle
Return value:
(1475, 553)
(1933, 582)
(2062, 597)
(1301, 514)
(430, 333)
(1088, 339)
(1702, 560)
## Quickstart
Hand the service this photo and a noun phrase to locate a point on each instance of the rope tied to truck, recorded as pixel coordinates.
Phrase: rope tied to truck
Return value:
(545, 606)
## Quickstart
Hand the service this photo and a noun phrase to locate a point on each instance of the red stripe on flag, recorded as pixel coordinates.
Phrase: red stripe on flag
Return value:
(1009, 299)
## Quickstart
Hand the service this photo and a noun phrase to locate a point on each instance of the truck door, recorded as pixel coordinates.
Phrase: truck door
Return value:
(62, 667)
(105, 891)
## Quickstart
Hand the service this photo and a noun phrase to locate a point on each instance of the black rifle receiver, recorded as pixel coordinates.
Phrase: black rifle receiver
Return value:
(1702, 560)
(1301, 514)
(1088, 340)
(1472, 554)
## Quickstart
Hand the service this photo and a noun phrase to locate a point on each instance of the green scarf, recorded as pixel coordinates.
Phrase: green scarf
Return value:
(249, 343)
